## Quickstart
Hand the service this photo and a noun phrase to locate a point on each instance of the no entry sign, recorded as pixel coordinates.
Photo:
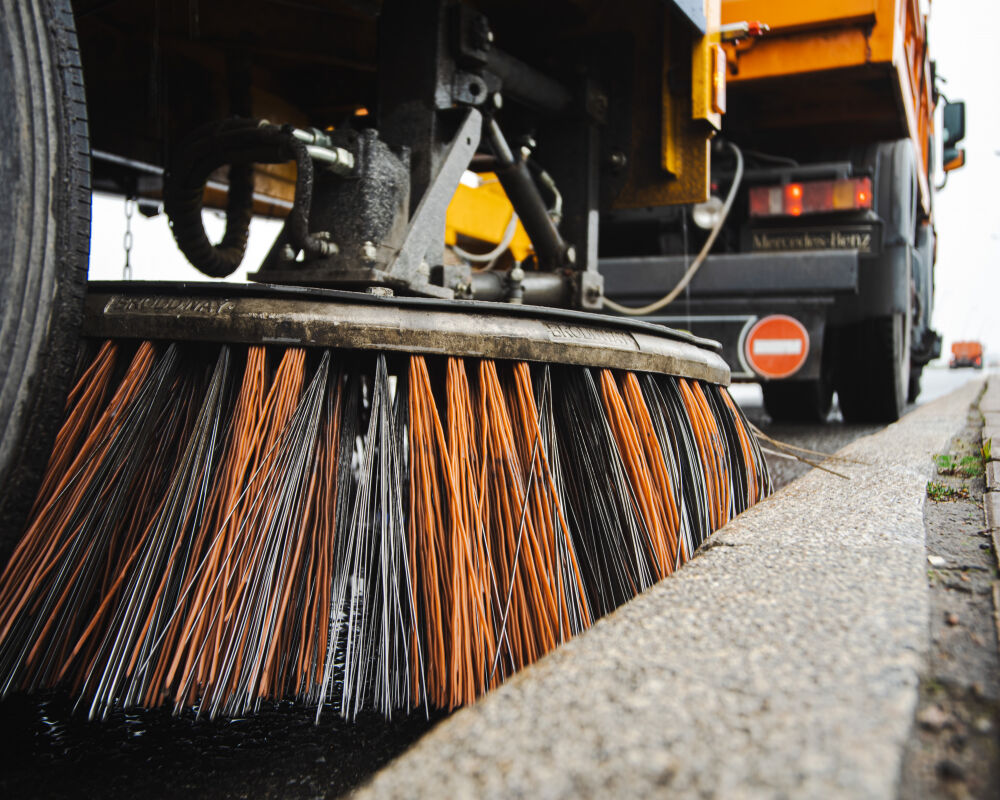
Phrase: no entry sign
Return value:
(777, 346)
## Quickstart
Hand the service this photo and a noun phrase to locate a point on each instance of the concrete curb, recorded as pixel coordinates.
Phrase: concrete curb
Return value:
(783, 661)
(989, 405)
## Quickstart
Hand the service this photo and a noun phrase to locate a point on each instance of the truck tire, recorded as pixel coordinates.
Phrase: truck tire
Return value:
(897, 196)
(913, 391)
(44, 239)
(873, 369)
(872, 361)
(798, 401)
(925, 342)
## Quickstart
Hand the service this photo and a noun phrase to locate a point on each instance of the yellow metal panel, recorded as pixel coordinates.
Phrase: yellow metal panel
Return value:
(668, 117)
(483, 213)
(703, 62)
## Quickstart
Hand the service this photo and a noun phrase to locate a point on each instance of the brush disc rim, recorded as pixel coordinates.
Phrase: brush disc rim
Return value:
(294, 316)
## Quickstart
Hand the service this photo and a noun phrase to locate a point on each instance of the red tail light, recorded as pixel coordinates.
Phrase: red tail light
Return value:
(793, 199)
(811, 197)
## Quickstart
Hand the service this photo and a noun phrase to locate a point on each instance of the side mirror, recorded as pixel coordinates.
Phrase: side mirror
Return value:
(954, 125)
(954, 157)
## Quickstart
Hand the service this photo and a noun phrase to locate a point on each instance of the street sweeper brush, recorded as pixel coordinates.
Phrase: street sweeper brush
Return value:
(354, 501)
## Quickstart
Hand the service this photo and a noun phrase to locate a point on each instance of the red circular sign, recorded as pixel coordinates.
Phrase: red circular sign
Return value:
(777, 346)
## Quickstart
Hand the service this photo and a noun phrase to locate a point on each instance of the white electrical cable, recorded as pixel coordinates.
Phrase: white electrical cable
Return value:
(652, 308)
(483, 258)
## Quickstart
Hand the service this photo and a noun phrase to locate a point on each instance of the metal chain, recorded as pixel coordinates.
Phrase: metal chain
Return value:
(127, 240)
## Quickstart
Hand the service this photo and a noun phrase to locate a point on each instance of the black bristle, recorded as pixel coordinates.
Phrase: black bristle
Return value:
(239, 525)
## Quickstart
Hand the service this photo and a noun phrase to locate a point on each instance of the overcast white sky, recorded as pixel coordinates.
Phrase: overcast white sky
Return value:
(964, 41)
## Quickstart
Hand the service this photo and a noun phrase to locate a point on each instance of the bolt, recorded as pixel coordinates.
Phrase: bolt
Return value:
(600, 103)
(288, 253)
(515, 289)
(327, 246)
(380, 291)
(369, 252)
(424, 269)
(497, 100)
(617, 160)
(571, 255)
(592, 294)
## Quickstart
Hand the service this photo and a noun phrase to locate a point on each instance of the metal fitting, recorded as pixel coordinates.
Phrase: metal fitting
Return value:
(336, 159)
(617, 160)
(515, 285)
(327, 246)
(369, 252)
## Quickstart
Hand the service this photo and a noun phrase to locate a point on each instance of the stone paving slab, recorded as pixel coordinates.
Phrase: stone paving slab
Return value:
(992, 476)
(783, 661)
(989, 404)
(991, 398)
(991, 507)
(992, 420)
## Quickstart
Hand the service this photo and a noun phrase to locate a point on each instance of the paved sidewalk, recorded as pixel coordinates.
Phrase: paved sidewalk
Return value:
(784, 661)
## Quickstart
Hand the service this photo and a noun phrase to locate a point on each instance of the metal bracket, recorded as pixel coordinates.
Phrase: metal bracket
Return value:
(468, 89)
(423, 245)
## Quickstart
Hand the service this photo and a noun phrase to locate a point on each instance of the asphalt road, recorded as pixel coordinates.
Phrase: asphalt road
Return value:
(835, 433)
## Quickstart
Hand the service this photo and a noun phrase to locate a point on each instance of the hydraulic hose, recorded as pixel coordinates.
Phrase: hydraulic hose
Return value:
(668, 298)
(552, 250)
(240, 143)
(496, 252)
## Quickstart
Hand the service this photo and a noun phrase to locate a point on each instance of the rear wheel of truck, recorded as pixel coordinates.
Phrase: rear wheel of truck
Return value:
(872, 362)
(44, 239)
(925, 343)
(916, 373)
(874, 369)
(798, 401)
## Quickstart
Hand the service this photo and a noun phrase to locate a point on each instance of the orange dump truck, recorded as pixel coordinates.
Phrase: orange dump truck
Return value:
(966, 354)
(819, 270)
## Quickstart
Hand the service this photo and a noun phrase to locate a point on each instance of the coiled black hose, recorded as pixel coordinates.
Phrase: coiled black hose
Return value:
(240, 143)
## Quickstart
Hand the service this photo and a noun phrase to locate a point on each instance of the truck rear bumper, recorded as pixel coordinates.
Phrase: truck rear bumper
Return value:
(639, 280)
(730, 322)
(731, 292)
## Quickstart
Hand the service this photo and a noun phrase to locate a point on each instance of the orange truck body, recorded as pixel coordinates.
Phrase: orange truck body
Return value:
(967, 354)
(834, 99)
(827, 65)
